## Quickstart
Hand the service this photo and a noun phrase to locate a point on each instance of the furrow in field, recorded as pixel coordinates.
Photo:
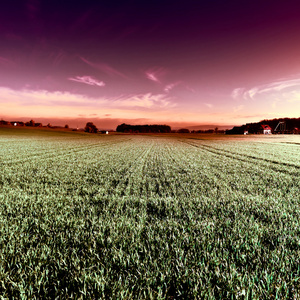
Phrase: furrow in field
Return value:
(226, 175)
(53, 172)
(157, 181)
(142, 169)
(169, 174)
(114, 172)
(55, 152)
(131, 170)
(266, 149)
(279, 166)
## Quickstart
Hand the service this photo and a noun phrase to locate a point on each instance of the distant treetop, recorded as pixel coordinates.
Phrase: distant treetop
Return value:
(90, 127)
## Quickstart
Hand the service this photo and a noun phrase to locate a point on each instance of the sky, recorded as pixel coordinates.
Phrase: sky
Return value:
(180, 63)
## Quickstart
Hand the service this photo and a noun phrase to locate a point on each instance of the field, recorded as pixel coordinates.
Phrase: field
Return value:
(149, 217)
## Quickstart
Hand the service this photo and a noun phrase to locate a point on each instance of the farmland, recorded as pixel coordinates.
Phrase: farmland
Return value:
(145, 216)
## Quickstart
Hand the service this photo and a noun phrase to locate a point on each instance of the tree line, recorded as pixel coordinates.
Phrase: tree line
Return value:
(291, 125)
(30, 123)
(127, 128)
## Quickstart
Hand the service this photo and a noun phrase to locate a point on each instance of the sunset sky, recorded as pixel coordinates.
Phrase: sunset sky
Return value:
(161, 62)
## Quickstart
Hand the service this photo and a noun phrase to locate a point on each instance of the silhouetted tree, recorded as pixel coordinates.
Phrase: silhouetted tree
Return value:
(90, 127)
(183, 130)
(30, 123)
(67, 126)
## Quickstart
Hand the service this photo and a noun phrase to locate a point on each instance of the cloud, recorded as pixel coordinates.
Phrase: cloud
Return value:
(37, 104)
(6, 62)
(170, 86)
(281, 90)
(29, 97)
(236, 93)
(155, 73)
(57, 57)
(254, 116)
(44, 98)
(152, 77)
(190, 89)
(209, 105)
(103, 67)
(147, 101)
(87, 80)
(45, 104)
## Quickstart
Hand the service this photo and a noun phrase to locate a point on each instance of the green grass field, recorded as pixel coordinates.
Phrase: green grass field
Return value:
(149, 217)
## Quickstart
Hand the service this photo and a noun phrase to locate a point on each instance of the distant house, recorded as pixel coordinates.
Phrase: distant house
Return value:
(17, 123)
(296, 130)
(266, 129)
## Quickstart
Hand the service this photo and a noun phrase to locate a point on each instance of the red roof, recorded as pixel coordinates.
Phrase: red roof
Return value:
(266, 127)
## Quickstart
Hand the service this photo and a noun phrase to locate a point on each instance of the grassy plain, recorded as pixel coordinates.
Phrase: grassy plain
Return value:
(149, 217)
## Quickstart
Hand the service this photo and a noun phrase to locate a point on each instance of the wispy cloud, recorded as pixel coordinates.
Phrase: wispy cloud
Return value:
(236, 93)
(152, 77)
(170, 86)
(190, 89)
(45, 104)
(58, 57)
(159, 107)
(60, 99)
(146, 101)
(31, 98)
(87, 80)
(109, 70)
(281, 89)
(155, 74)
(6, 62)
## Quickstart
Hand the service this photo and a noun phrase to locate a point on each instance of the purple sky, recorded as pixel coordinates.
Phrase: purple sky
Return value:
(174, 62)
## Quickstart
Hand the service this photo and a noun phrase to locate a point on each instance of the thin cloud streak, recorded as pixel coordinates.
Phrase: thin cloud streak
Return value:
(6, 62)
(281, 89)
(44, 104)
(87, 80)
(59, 99)
(171, 86)
(146, 101)
(104, 68)
(152, 77)
(155, 74)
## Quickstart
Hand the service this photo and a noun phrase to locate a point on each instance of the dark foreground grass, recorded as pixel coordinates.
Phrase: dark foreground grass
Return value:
(147, 218)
